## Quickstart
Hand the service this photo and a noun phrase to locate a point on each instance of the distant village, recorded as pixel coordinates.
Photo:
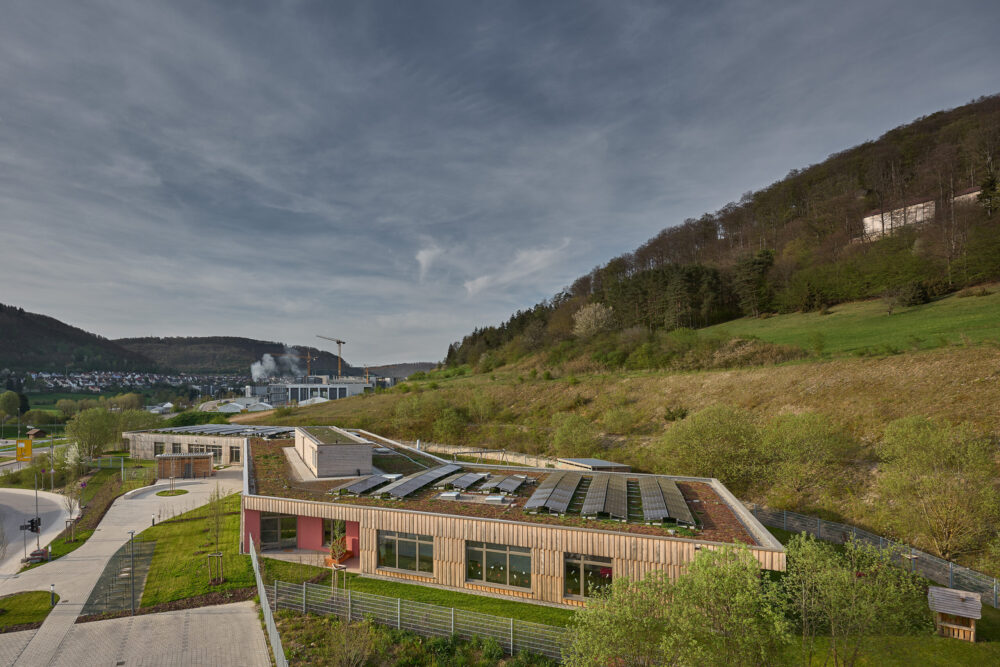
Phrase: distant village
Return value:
(103, 381)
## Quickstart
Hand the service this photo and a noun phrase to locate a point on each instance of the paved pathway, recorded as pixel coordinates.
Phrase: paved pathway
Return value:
(75, 574)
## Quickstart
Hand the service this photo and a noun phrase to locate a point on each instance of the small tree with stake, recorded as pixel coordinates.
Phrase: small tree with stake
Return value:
(215, 515)
(338, 548)
(71, 501)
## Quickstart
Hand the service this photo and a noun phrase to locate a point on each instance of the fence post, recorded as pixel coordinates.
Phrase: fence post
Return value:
(303, 597)
(399, 617)
(348, 605)
(951, 575)
(512, 636)
(453, 609)
(275, 593)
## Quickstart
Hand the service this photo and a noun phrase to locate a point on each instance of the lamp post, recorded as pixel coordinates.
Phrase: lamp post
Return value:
(52, 595)
(131, 573)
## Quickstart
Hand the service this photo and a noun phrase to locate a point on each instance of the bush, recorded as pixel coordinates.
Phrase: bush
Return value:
(573, 435)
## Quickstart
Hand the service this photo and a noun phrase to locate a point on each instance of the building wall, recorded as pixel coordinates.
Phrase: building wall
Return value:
(333, 460)
(899, 217)
(633, 555)
(201, 466)
(141, 444)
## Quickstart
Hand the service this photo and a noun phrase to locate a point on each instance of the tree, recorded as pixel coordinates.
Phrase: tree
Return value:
(718, 441)
(71, 500)
(592, 319)
(989, 194)
(623, 627)
(751, 282)
(573, 435)
(936, 482)
(93, 430)
(850, 596)
(135, 420)
(9, 404)
(724, 613)
(338, 549)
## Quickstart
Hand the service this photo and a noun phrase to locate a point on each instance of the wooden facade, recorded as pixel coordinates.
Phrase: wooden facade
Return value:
(633, 555)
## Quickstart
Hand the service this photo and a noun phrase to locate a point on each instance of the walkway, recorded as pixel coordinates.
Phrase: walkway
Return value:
(75, 574)
(181, 638)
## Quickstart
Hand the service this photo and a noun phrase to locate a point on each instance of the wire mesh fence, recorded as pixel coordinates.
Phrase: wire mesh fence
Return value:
(429, 620)
(272, 630)
(936, 569)
(120, 586)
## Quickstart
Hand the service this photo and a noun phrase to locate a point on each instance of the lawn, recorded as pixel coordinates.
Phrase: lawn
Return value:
(179, 568)
(21, 608)
(865, 327)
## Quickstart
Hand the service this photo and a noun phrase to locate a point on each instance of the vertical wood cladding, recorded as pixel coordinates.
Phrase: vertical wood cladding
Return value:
(633, 555)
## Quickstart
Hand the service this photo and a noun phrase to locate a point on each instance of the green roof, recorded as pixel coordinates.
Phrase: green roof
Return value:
(329, 436)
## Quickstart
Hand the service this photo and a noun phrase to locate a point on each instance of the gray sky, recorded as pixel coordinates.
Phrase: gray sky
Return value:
(397, 173)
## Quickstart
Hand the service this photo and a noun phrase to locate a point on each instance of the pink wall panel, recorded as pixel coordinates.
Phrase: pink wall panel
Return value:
(310, 533)
(251, 526)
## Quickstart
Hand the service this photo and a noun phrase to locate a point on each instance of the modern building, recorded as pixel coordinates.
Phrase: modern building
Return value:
(223, 441)
(884, 222)
(313, 386)
(552, 536)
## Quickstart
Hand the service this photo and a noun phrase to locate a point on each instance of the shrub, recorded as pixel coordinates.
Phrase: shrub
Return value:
(573, 435)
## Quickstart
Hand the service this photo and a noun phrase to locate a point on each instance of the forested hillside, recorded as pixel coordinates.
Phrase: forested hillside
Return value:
(33, 342)
(227, 354)
(797, 245)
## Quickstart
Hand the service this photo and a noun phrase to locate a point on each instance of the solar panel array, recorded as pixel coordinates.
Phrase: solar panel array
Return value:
(593, 502)
(540, 497)
(468, 479)
(677, 509)
(511, 484)
(407, 485)
(364, 484)
(608, 494)
(653, 506)
(492, 483)
(563, 493)
(448, 480)
(229, 429)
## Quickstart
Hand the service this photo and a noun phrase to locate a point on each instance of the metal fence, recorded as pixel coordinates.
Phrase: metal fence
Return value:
(120, 586)
(272, 630)
(429, 620)
(936, 569)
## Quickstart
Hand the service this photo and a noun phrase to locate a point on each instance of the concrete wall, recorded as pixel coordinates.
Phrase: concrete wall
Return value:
(141, 444)
(333, 460)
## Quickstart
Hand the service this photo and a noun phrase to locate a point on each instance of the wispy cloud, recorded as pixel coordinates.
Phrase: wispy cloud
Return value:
(197, 169)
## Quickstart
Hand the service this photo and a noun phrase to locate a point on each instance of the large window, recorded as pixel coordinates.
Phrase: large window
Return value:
(234, 454)
(585, 576)
(157, 448)
(406, 551)
(498, 564)
(216, 452)
(176, 448)
(278, 531)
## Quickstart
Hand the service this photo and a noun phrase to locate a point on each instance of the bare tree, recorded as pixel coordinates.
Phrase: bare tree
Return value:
(3, 539)
(71, 500)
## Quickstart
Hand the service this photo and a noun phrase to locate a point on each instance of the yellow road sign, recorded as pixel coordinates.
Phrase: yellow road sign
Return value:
(23, 450)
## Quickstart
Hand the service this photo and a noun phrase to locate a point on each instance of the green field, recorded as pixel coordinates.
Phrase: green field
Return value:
(48, 400)
(865, 327)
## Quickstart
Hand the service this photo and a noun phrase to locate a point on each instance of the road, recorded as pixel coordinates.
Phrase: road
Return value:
(16, 507)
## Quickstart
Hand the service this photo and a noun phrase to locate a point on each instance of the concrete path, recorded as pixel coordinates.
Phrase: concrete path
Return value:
(75, 574)
(16, 507)
(12, 643)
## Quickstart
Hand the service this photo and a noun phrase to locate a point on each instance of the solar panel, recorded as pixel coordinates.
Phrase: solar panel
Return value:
(593, 502)
(364, 484)
(541, 495)
(408, 485)
(563, 493)
(468, 479)
(616, 503)
(493, 482)
(511, 484)
(448, 480)
(653, 506)
(677, 509)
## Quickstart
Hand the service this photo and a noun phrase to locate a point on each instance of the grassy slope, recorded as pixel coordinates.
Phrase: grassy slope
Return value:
(853, 328)
(29, 607)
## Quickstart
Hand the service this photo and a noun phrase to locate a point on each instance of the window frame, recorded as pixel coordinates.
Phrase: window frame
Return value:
(580, 562)
(420, 556)
(487, 550)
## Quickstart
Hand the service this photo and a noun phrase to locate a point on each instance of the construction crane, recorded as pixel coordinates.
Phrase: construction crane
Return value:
(307, 356)
(340, 357)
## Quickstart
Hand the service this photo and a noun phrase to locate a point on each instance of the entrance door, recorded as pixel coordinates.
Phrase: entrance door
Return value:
(188, 472)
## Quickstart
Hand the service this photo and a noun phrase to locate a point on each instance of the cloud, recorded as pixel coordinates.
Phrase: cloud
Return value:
(426, 257)
(526, 263)
(200, 169)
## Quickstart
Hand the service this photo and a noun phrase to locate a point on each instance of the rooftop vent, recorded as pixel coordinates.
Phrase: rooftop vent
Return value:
(393, 476)
(496, 500)
(450, 495)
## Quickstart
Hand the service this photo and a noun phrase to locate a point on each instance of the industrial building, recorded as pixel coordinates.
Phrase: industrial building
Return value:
(309, 387)
(553, 536)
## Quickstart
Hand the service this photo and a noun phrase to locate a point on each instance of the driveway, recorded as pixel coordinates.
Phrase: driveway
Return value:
(75, 574)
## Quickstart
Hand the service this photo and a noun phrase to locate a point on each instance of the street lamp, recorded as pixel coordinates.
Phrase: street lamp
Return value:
(52, 595)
